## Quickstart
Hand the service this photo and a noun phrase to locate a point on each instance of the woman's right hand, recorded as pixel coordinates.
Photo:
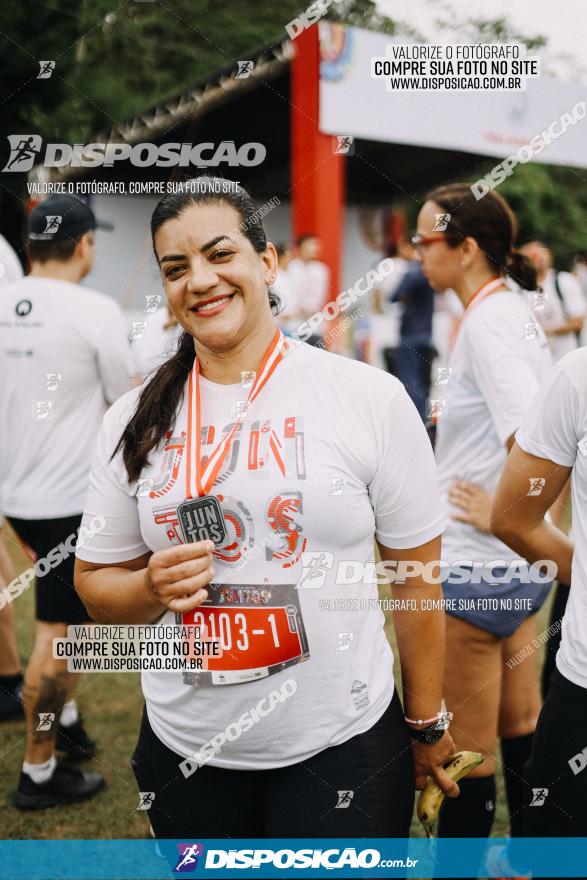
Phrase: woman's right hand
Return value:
(177, 577)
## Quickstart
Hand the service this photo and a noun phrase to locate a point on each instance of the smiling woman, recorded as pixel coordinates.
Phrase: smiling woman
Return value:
(217, 483)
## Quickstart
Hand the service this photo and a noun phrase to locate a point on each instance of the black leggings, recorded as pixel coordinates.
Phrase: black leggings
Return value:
(297, 801)
(558, 766)
(557, 612)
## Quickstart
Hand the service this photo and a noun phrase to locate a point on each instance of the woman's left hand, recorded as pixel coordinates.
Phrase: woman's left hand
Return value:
(428, 761)
(475, 502)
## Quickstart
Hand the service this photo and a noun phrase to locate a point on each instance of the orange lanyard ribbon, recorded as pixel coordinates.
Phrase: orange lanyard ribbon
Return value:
(199, 480)
(494, 285)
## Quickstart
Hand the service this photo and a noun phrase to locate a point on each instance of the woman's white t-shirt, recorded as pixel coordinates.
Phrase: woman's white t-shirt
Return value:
(331, 454)
(498, 362)
(555, 428)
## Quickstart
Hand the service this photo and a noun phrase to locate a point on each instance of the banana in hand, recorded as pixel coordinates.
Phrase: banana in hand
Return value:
(432, 796)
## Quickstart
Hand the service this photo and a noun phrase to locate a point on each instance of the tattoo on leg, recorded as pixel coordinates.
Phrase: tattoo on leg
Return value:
(47, 702)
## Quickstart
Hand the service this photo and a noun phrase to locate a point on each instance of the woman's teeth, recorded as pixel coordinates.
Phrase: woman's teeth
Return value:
(212, 305)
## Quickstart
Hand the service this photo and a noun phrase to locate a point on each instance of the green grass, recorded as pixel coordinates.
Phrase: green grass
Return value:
(112, 706)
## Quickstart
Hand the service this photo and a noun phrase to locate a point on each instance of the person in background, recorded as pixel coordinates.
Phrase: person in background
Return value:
(310, 280)
(580, 273)
(384, 310)
(153, 340)
(495, 368)
(551, 446)
(562, 317)
(64, 357)
(10, 267)
(562, 314)
(289, 316)
(415, 354)
(11, 680)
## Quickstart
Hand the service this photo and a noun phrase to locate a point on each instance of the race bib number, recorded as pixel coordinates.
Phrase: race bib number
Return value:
(259, 631)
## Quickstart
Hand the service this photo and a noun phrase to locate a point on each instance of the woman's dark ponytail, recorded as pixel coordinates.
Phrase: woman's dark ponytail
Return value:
(155, 413)
(162, 396)
(521, 270)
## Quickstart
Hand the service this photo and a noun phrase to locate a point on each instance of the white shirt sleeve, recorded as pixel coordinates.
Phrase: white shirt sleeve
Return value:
(572, 295)
(550, 429)
(111, 497)
(10, 267)
(502, 371)
(404, 491)
(114, 359)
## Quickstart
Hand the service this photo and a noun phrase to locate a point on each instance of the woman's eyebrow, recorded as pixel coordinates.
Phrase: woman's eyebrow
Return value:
(212, 242)
(205, 247)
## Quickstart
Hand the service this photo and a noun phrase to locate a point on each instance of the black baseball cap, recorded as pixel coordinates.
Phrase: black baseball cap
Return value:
(62, 218)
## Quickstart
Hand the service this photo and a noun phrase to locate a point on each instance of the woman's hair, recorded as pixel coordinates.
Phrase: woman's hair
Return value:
(491, 222)
(162, 395)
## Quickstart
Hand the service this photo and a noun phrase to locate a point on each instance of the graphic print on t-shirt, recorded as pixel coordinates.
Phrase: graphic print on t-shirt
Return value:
(284, 542)
(259, 630)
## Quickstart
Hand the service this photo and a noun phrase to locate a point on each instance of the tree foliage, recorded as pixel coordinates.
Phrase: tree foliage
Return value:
(117, 58)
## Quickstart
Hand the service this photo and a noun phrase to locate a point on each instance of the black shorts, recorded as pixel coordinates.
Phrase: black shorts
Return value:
(361, 788)
(557, 772)
(56, 600)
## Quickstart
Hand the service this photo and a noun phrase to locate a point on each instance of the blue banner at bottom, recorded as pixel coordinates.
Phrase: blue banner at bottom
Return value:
(292, 857)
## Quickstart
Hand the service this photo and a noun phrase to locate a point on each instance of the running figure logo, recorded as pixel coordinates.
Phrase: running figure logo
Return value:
(337, 485)
(441, 224)
(344, 641)
(438, 408)
(344, 144)
(539, 795)
(146, 799)
(53, 222)
(46, 69)
(137, 329)
(443, 374)
(152, 301)
(52, 381)
(315, 567)
(188, 857)
(344, 800)
(24, 148)
(244, 69)
(537, 484)
(539, 300)
(46, 720)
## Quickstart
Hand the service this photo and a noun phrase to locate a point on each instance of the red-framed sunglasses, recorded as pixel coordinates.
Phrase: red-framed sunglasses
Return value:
(420, 241)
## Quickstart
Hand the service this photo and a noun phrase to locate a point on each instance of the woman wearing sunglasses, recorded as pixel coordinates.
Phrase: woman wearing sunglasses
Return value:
(236, 485)
(498, 359)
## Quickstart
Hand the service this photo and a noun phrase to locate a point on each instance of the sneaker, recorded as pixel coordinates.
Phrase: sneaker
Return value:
(75, 741)
(68, 785)
(11, 708)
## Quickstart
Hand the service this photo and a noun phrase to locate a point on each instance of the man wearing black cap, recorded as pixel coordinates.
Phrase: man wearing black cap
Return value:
(64, 358)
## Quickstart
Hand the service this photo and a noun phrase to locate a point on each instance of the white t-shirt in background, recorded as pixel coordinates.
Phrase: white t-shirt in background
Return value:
(310, 282)
(331, 453)
(64, 357)
(555, 428)
(155, 344)
(499, 360)
(553, 314)
(10, 266)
